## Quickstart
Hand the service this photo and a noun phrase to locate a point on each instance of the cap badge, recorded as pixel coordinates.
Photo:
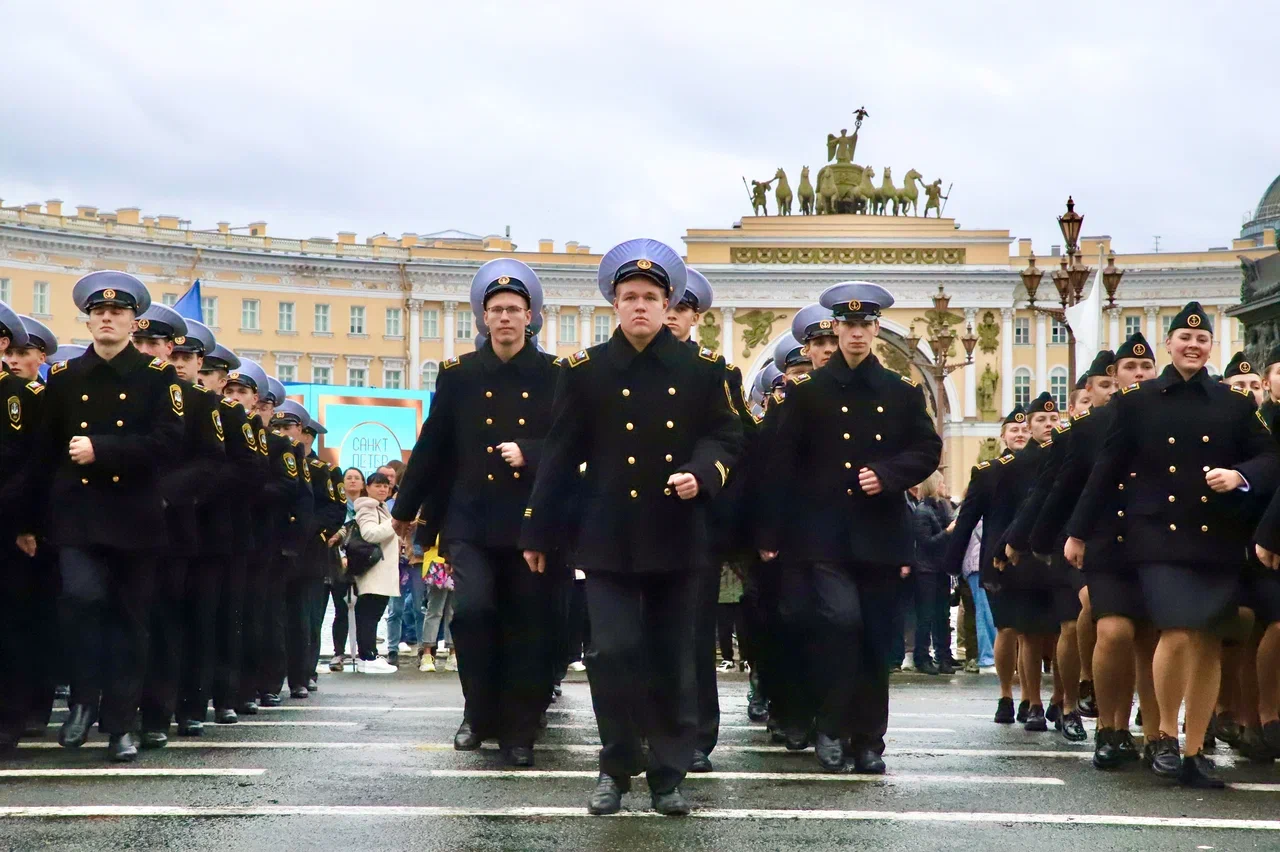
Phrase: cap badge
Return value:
(825, 324)
(855, 305)
(644, 263)
(233, 375)
(142, 323)
(108, 294)
(1194, 320)
(504, 280)
(1139, 349)
(1019, 417)
(1048, 405)
(177, 340)
(1246, 367)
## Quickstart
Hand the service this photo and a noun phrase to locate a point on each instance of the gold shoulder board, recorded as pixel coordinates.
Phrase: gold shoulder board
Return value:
(229, 402)
(580, 357)
(910, 381)
(1047, 444)
(1262, 420)
(801, 379)
(1082, 415)
(156, 364)
(1132, 387)
(1005, 459)
(1066, 427)
(708, 354)
(199, 388)
(560, 362)
(984, 465)
(778, 395)
(1241, 391)
(452, 362)
(58, 367)
(35, 387)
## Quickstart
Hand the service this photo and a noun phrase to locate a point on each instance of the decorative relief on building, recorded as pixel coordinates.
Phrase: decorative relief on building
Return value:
(908, 256)
(758, 328)
(709, 332)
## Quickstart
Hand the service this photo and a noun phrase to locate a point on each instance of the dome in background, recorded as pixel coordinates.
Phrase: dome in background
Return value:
(1265, 215)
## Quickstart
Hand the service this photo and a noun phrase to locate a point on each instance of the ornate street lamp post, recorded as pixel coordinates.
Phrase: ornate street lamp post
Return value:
(939, 336)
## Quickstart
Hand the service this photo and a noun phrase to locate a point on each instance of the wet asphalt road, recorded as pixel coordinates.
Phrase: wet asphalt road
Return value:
(367, 763)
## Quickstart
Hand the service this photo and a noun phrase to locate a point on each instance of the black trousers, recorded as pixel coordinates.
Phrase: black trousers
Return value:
(30, 647)
(103, 612)
(339, 592)
(759, 642)
(504, 630)
(641, 669)
(275, 625)
(300, 596)
(369, 609)
(852, 615)
(253, 647)
(704, 659)
(169, 625)
(228, 632)
(728, 622)
(801, 673)
(200, 615)
(316, 624)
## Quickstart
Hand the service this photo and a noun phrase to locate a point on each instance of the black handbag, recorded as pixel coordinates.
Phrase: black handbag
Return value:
(361, 555)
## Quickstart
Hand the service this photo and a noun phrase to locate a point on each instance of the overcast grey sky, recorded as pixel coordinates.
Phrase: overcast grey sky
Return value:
(601, 121)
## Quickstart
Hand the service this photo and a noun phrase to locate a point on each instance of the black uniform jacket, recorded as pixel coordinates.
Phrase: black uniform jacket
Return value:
(288, 489)
(974, 507)
(329, 515)
(24, 417)
(244, 469)
(1019, 532)
(730, 538)
(131, 408)
(456, 473)
(189, 485)
(1165, 434)
(835, 422)
(635, 418)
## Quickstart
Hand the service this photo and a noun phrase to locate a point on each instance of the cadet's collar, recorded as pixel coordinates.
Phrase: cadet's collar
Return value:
(126, 361)
(1171, 378)
(865, 371)
(664, 345)
(526, 360)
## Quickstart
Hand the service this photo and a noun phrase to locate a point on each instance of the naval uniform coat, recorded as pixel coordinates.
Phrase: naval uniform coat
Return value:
(837, 420)
(1165, 434)
(190, 483)
(227, 524)
(635, 418)
(24, 419)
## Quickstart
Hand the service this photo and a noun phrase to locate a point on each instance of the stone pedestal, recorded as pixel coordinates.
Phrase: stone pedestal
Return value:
(1259, 308)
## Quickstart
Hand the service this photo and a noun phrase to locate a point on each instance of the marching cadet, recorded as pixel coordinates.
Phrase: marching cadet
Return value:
(980, 505)
(790, 358)
(26, 362)
(180, 621)
(654, 422)
(474, 466)
(229, 510)
(852, 437)
(113, 426)
(815, 327)
(319, 558)
(1192, 448)
(29, 580)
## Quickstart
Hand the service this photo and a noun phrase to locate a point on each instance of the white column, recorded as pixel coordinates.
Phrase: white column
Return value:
(1153, 330)
(585, 312)
(415, 343)
(1006, 361)
(551, 327)
(1042, 353)
(1113, 329)
(726, 321)
(450, 331)
(971, 372)
(1223, 330)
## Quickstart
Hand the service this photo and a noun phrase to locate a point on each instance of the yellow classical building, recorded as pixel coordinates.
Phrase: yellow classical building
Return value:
(386, 311)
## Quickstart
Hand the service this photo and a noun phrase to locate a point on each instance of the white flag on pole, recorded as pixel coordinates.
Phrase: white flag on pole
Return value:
(1085, 319)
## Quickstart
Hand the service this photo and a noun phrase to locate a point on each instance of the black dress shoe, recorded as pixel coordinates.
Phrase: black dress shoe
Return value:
(797, 739)
(1087, 705)
(519, 756)
(154, 739)
(1166, 757)
(466, 739)
(606, 798)
(1036, 721)
(1253, 747)
(1271, 735)
(1106, 750)
(776, 735)
(867, 762)
(269, 699)
(122, 748)
(299, 692)
(672, 803)
(248, 708)
(1004, 712)
(75, 730)
(1023, 708)
(35, 727)
(1137, 720)
(1228, 730)
(1126, 746)
(1197, 771)
(926, 667)
(946, 667)
(1072, 727)
(225, 716)
(543, 721)
(830, 753)
(62, 691)
(1054, 715)
(700, 762)
(313, 684)
(557, 689)
(190, 728)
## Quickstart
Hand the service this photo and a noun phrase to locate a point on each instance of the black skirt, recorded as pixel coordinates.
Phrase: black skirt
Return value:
(1028, 611)
(1118, 594)
(1261, 593)
(1189, 596)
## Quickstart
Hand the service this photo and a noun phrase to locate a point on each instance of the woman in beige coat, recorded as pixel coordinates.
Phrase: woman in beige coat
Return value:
(380, 582)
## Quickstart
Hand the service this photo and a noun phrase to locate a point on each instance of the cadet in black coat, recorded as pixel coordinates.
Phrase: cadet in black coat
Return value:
(320, 558)
(852, 437)
(113, 426)
(656, 424)
(1193, 448)
(474, 466)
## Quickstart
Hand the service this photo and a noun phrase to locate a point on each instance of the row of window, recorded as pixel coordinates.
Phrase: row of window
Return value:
(1058, 331)
(1059, 388)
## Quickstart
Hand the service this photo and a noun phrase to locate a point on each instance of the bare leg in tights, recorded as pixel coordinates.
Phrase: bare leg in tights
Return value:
(1187, 667)
(1006, 653)
(1029, 667)
(1144, 660)
(1113, 667)
(1268, 670)
(1086, 635)
(1066, 667)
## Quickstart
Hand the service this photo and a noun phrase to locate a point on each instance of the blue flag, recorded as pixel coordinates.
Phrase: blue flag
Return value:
(189, 306)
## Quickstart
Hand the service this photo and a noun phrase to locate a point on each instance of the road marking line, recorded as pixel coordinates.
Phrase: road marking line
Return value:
(289, 724)
(762, 728)
(130, 773)
(1254, 787)
(924, 777)
(82, 811)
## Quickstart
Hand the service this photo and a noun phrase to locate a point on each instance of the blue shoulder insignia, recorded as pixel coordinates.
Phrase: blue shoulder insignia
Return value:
(910, 381)
(579, 357)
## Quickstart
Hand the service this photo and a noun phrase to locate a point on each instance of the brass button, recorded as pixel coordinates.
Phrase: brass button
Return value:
(1205, 468)
(516, 474)
(848, 465)
(668, 456)
(119, 422)
(1173, 527)
(631, 459)
(634, 494)
(491, 477)
(877, 437)
(1133, 474)
(524, 395)
(84, 398)
(124, 396)
(626, 392)
(1173, 469)
(666, 491)
(84, 482)
(849, 491)
(1120, 514)
(1171, 440)
(1204, 529)
(84, 424)
(1205, 439)
(671, 391)
(1120, 538)
(630, 426)
(845, 409)
(1173, 499)
(488, 449)
(488, 394)
(670, 425)
(488, 421)
(879, 409)
(1121, 486)
(115, 479)
(846, 436)
(520, 421)
(1204, 499)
